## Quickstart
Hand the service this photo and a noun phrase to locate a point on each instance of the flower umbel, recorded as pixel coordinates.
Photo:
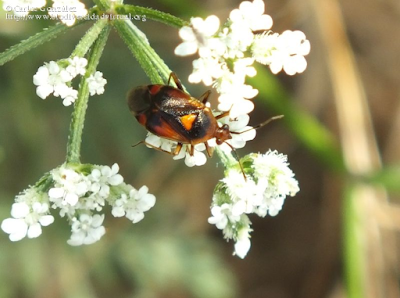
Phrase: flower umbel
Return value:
(96, 83)
(56, 78)
(223, 52)
(79, 192)
(134, 204)
(269, 180)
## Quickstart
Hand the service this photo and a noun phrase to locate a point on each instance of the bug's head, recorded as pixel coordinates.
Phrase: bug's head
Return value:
(222, 134)
(139, 100)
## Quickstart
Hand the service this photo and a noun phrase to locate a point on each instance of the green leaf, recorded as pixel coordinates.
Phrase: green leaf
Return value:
(154, 67)
(389, 177)
(103, 4)
(33, 41)
(152, 14)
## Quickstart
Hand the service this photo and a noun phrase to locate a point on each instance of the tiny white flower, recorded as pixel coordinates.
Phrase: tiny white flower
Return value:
(102, 178)
(240, 131)
(70, 96)
(244, 66)
(77, 65)
(205, 70)
(198, 158)
(157, 142)
(237, 38)
(235, 94)
(69, 186)
(222, 215)
(198, 37)
(245, 193)
(282, 52)
(27, 220)
(251, 15)
(242, 245)
(17, 228)
(93, 202)
(87, 229)
(51, 78)
(272, 168)
(134, 204)
(96, 83)
(68, 11)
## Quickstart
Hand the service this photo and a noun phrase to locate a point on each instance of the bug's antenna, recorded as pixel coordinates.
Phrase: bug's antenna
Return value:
(141, 142)
(238, 159)
(259, 125)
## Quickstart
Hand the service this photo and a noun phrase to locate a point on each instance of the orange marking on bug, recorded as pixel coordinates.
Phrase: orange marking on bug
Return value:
(188, 121)
(154, 89)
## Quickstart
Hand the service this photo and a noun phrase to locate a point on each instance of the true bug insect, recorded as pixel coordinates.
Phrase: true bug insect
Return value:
(173, 114)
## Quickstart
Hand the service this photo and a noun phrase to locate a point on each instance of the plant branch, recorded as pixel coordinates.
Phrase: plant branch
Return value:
(33, 41)
(78, 116)
(152, 14)
(89, 38)
(154, 67)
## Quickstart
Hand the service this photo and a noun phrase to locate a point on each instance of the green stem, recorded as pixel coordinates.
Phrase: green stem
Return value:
(304, 126)
(78, 116)
(150, 13)
(103, 4)
(354, 245)
(227, 159)
(90, 37)
(154, 67)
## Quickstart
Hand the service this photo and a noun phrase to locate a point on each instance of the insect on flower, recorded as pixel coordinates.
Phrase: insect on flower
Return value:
(173, 114)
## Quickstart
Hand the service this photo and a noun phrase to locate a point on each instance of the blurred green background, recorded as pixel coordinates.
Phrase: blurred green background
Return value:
(174, 252)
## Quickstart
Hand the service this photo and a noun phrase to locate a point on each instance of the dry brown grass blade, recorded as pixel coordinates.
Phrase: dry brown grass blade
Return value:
(359, 148)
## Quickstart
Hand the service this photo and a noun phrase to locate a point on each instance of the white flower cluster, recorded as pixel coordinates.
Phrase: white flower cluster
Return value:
(268, 182)
(226, 57)
(227, 53)
(55, 78)
(80, 197)
(67, 11)
(239, 125)
(29, 213)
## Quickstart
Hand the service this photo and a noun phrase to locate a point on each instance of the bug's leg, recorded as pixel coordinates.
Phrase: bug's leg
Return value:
(204, 97)
(175, 152)
(210, 150)
(177, 149)
(224, 114)
(176, 80)
(191, 150)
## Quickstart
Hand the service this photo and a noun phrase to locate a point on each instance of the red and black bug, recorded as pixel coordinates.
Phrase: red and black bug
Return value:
(173, 114)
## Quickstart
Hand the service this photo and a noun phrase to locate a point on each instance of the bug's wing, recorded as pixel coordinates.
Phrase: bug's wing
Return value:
(179, 107)
(177, 103)
(166, 126)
